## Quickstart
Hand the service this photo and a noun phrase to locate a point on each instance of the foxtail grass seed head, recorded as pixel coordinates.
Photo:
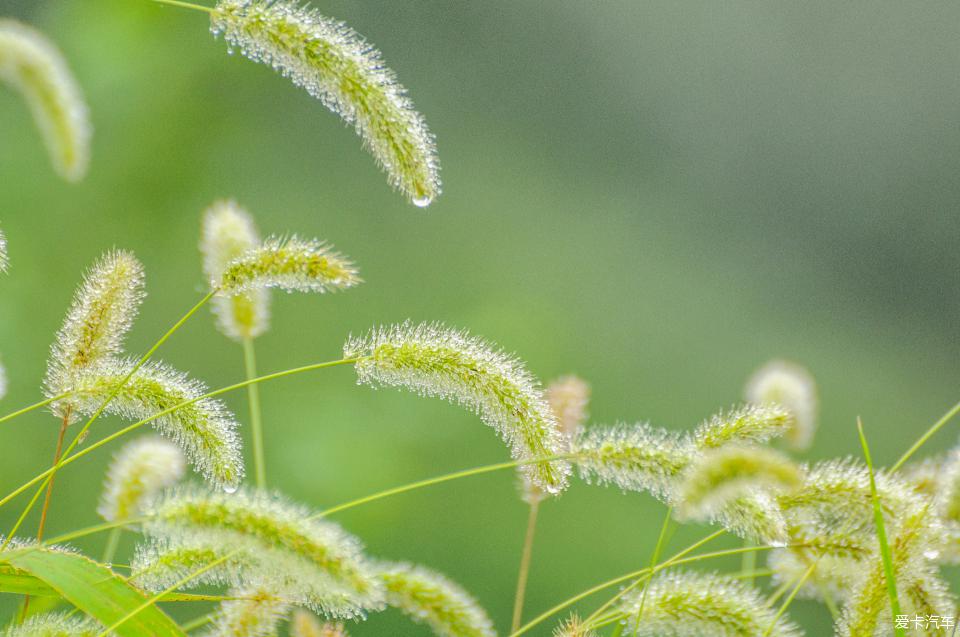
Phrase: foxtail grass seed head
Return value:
(792, 387)
(142, 469)
(747, 424)
(568, 398)
(429, 597)
(573, 626)
(228, 233)
(755, 516)
(54, 625)
(309, 561)
(257, 612)
(32, 64)
(836, 493)
(690, 604)
(102, 312)
(335, 65)
(294, 265)
(305, 624)
(722, 475)
(633, 457)
(918, 585)
(433, 360)
(204, 428)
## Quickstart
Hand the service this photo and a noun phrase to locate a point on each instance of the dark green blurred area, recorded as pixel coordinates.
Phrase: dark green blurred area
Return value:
(656, 196)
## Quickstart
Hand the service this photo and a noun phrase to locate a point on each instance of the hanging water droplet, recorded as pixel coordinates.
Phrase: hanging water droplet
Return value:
(423, 201)
(230, 488)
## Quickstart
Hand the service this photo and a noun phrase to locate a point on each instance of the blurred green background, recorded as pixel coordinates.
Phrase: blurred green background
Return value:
(657, 196)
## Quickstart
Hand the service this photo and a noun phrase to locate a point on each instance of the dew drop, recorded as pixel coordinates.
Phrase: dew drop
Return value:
(230, 488)
(422, 201)
(778, 544)
(931, 555)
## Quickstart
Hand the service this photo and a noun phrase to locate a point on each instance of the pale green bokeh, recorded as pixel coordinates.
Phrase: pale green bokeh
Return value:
(656, 196)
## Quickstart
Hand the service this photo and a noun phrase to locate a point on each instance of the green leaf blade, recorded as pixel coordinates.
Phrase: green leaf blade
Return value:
(94, 589)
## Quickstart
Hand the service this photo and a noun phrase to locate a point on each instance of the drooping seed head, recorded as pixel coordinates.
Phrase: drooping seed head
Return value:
(436, 361)
(755, 516)
(257, 612)
(633, 457)
(836, 493)
(309, 562)
(335, 65)
(54, 625)
(204, 428)
(429, 597)
(102, 312)
(142, 469)
(722, 475)
(689, 604)
(567, 397)
(832, 574)
(293, 264)
(229, 233)
(747, 424)
(792, 387)
(305, 624)
(32, 65)
(918, 583)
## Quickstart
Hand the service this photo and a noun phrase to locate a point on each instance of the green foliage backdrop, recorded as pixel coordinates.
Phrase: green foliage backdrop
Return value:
(656, 196)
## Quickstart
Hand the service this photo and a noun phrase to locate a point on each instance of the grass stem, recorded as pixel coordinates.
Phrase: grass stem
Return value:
(525, 558)
(256, 422)
(882, 534)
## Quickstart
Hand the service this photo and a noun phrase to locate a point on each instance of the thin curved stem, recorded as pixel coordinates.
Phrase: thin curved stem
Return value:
(525, 558)
(256, 422)
(153, 600)
(676, 559)
(789, 600)
(29, 408)
(456, 475)
(185, 5)
(937, 426)
(70, 459)
(86, 427)
(653, 560)
(113, 541)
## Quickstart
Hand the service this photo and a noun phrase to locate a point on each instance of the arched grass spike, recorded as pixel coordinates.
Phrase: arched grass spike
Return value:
(723, 475)
(567, 398)
(433, 360)
(747, 424)
(54, 625)
(293, 264)
(335, 65)
(257, 612)
(633, 457)
(792, 387)
(228, 233)
(141, 470)
(307, 561)
(102, 312)
(921, 591)
(31, 64)
(429, 597)
(204, 429)
(689, 604)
